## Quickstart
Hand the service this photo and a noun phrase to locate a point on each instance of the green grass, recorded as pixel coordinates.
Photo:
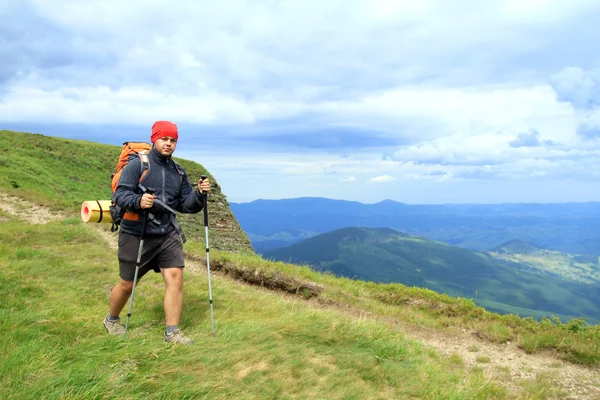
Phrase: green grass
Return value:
(54, 286)
(574, 340)
(54, 290)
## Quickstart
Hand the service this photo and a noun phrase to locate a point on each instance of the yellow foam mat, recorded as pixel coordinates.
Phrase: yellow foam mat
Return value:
(96, 211)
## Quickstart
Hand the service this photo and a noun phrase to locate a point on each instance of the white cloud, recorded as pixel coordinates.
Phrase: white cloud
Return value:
(128, 105)
(382, 179)
(245, 62)
(449, 85)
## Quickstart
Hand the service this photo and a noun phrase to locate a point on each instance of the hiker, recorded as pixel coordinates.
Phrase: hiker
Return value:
(162, 246)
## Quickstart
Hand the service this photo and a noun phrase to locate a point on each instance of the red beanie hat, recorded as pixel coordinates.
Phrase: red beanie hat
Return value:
(163, 128)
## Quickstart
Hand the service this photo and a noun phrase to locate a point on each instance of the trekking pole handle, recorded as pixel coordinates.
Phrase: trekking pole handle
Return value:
(145, 220)
(204, 201)
(202, 177)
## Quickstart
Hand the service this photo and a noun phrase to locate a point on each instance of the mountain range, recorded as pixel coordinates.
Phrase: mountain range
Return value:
(565, 227)
(499, 284)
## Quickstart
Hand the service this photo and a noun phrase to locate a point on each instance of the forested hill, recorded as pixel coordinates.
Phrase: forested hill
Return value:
(384, 255)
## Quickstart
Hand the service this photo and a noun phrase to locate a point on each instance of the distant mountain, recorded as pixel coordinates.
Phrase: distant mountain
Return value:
(385, 255)
(566, 227)
(517, 247)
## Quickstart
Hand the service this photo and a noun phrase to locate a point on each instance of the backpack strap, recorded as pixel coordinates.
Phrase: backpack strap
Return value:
(172, 215)
(144, 164)
(117, 213)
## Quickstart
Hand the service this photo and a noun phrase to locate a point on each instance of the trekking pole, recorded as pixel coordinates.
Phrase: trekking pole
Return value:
(204, 207)
(137, 264)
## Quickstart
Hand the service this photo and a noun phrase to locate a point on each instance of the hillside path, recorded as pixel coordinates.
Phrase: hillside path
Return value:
(503, 363)
(510, 365)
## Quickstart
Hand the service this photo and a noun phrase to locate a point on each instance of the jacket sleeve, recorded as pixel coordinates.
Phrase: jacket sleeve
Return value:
(127, 194)
(189, 200)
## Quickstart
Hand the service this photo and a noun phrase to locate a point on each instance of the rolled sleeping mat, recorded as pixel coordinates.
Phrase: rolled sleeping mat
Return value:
(96, 211)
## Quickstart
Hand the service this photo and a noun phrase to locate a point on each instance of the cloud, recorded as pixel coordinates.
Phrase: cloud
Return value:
(314, 89)
(334, 138)
(438, 173)
(382, 179)
(578, 87)
(581, 89)
(589, 128)
(270, 57)
(529, 139)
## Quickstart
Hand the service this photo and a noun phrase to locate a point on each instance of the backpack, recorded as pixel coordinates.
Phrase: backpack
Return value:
(129, 151)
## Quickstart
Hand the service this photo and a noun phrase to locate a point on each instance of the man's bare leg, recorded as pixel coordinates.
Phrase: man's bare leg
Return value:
(173, 294)
(173, 305)
(119, 296)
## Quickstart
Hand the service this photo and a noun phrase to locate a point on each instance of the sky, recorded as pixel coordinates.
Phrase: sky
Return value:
(417, 101)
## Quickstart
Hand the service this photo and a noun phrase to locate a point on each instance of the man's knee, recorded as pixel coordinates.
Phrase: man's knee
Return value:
(173, 276)
(125, 286)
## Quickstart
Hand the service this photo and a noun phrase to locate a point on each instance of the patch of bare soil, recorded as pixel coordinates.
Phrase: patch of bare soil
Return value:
(506, 364)
(510, 365)
(22, 209)
(111, 238)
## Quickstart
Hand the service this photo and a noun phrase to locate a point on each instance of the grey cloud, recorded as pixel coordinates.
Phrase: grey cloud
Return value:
(578, 87)
(31, 47)
(529, 139)
(329, 138)
(581, 88)
(588, 131)
(510, 172)
(589, 124)
(437, 173)
(449, 160)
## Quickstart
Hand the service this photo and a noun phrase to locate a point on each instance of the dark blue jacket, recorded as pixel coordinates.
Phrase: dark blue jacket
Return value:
(164, 180)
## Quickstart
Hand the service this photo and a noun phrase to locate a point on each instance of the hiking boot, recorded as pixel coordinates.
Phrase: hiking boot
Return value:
(178, 337)
(114, 327)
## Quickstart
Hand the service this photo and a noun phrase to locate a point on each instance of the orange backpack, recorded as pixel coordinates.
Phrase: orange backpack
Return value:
(130, 150)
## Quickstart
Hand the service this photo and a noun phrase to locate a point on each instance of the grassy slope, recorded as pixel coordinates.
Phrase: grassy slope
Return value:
(55, 299)
(54, 285)
(384, 255)
(63, 173)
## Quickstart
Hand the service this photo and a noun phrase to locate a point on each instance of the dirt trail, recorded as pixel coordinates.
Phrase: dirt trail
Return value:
(28, 211)
(510, 365)
(503, 363)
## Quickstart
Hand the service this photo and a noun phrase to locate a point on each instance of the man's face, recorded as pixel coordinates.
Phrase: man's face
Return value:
(165, 145)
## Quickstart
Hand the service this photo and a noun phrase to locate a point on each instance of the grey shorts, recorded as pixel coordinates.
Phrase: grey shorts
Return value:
(159, 252)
